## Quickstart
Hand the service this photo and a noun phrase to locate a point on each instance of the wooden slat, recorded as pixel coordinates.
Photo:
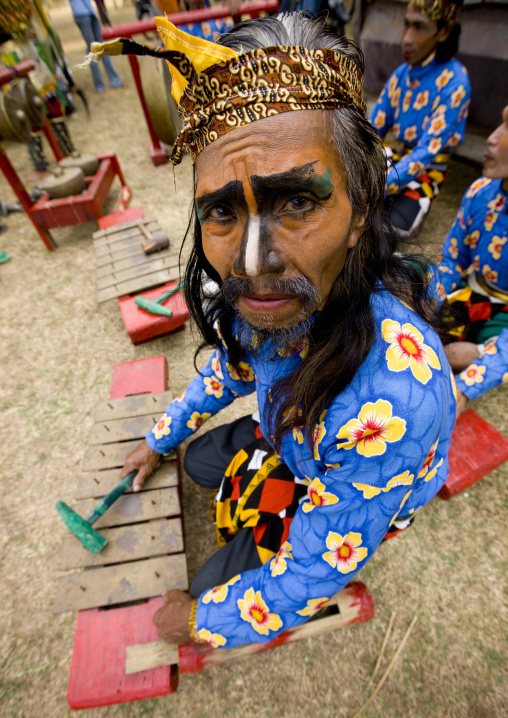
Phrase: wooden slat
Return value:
(134, 508)
(95, 484)
(134, 240)
(139, 284)
(107, 432)
(146, 656)
(136, 405)
(153, 263)
(109, 585)
(133, 260)
(107, 457)
(127, 543)
(106, 257)
(119, 230)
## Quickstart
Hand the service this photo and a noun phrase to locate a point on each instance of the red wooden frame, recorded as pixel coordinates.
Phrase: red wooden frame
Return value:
(46, 214)
(254, 9)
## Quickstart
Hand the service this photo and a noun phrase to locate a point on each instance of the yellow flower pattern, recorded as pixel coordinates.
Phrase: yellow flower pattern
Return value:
(408, 350)
(161, 428)
(372, 429)
(254, 610)
(344, 552)
(318, 496)
(196, 419)
(214, 639)
(313, 606)
(278, 563)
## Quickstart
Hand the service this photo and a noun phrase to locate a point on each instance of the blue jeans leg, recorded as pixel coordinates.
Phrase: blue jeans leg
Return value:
(84, 22)
(113, 77)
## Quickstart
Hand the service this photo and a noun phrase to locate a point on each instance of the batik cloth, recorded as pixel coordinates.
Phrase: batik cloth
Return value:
(378, 452)
(426, 108)
(476, 246)
(436, 9)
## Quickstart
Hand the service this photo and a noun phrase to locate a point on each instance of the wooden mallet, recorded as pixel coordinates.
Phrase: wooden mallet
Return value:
(82, 528)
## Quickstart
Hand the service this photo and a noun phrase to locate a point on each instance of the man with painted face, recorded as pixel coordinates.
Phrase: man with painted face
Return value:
(316, 313)
(478, 241)
(424, 104)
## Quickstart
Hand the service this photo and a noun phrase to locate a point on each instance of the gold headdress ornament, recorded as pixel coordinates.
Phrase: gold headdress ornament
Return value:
(436, 9)
(219, 89)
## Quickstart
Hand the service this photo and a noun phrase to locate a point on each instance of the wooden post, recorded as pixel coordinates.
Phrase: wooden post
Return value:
(26, 202)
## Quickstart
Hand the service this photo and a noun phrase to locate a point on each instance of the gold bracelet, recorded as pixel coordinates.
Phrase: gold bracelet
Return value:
(193, 629)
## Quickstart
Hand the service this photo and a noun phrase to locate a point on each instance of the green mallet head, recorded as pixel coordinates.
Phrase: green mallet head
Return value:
(88, 536)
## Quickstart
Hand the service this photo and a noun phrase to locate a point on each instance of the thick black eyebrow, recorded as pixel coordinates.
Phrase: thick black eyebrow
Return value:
(295, 179)
(232, 192)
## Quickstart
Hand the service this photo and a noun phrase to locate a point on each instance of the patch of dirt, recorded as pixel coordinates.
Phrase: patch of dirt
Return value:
(58, 350)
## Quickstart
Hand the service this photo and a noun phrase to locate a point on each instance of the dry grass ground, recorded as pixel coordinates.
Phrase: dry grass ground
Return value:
(58, 350)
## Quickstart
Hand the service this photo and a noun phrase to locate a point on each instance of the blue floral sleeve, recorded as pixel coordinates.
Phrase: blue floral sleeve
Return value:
(380, 451)
(456, 253)
(488, 371)
(443, 123)
(216, 386)
(382, 114)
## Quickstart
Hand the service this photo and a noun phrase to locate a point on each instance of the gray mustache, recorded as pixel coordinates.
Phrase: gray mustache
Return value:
(301, 287)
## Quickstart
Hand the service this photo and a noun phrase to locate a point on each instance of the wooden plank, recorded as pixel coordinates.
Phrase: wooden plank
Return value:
(109, 585)
(114, 241)
(153, 263)
(130, 240)
(95, 484)
(107, 257)
(146, 656)
(118, 229)
(139, 284)
(127, 543)
(133, 260)
(136, 405)
(107, 457)
(134, 508)
(135, 427)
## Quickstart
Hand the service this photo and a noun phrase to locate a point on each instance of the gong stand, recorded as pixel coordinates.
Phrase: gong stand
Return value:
(253, 9)
(46, 213)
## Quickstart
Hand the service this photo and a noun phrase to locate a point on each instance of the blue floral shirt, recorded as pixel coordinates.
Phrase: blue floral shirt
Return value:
(379, 450)
(426, 109)
(478, 240)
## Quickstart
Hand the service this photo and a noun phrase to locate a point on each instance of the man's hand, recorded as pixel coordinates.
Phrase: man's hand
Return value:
(461, 402)
(172, 620)
(461, 355)
(145, 460)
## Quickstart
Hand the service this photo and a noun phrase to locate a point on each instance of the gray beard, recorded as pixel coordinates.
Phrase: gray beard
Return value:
(260, 340)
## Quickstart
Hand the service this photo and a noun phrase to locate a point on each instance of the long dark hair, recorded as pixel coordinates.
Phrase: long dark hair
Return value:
(447, 49)
(344, 331)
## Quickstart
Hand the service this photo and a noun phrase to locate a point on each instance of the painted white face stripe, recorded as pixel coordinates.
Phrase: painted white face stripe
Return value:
(252, 248)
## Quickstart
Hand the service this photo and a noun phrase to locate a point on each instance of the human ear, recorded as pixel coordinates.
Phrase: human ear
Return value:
(444, 33)
(357, 227)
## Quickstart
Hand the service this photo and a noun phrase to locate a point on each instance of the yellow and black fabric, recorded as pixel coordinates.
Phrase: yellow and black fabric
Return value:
(260, 492)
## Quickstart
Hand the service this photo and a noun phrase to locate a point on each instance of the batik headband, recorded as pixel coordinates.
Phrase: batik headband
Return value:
(436, 9)
(219, 89)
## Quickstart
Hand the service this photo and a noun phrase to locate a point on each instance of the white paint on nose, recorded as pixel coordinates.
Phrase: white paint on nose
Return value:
(252, 248)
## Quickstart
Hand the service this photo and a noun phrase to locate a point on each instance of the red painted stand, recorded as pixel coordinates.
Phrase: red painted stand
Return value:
(476, 449)
(120, 217)
(48, 214)
(254, 9)
(141, 376)
(98, 660)
(86, 207)
(97, 675)
(142, 326)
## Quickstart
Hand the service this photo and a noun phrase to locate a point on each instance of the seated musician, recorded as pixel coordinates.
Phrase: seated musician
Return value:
(475, 255)
(424, 104)
(316, 313)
